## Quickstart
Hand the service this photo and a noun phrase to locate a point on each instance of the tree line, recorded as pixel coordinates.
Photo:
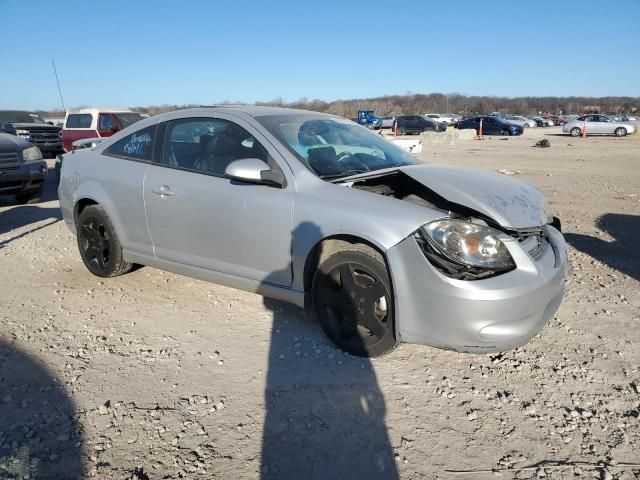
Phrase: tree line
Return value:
(416, 103)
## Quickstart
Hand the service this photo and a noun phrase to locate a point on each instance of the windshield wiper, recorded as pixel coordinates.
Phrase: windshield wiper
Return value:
(346, 173)
(372, 173)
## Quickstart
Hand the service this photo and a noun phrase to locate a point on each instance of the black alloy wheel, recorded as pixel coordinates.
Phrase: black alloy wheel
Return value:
(353, 300)
(99, 245)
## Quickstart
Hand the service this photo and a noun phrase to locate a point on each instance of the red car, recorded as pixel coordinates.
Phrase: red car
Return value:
(94, 123)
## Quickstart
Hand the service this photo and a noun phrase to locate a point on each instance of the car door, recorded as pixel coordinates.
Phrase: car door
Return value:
(604, 125)
(590, 123)
(489, 126)
(197, 217)
(120, 174)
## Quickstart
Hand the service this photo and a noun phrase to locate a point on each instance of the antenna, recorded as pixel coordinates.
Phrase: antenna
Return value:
(55, 72)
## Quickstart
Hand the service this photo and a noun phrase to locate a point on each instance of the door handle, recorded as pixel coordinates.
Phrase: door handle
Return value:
(163, 191)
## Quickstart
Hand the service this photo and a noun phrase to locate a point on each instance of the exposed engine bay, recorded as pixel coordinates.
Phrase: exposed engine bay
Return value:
(401, 186)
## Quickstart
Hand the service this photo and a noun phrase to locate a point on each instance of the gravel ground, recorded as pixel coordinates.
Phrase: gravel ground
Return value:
(152, 375)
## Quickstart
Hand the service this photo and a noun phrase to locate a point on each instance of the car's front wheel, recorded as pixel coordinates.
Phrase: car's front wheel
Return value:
(575, 132)
(505, 132)
(353, 299)
(99, 245)
(620, 132)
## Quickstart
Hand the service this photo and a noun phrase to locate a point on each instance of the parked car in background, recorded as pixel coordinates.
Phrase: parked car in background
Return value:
(438, 117)
(598, 125)
(556, 119)
(544, 122)
(22, 169)
(539, 121)
(524, 121)
(412, 124)
(94, 122)
(491, 125)
(33, 128)
(387, 122)
(630, 118)
(384, 247)
(367, 118)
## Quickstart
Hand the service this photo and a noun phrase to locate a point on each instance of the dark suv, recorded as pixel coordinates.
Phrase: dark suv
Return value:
(409, 124)
(491, 125)
(32, 127)
(22, 169)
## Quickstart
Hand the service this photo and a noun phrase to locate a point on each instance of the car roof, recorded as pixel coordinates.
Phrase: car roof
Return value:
(256, 110)
(94, 111)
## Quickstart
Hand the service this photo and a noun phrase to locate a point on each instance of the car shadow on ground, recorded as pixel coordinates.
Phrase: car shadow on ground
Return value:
(19, 216)
(39, 434)
(325, 413)
(622, 253)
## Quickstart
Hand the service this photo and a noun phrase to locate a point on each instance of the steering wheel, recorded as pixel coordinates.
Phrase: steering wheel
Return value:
(341, 157)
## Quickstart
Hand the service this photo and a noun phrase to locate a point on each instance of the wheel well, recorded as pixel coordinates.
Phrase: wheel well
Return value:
(80, 206)
(326, 247)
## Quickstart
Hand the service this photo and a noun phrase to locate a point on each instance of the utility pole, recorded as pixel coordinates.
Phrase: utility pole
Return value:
(55, 72)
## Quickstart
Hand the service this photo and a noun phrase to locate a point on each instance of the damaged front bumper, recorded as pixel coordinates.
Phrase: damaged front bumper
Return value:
(486, 315)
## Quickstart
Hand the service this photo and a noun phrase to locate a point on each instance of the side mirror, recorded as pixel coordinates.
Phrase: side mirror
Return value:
(254, 170)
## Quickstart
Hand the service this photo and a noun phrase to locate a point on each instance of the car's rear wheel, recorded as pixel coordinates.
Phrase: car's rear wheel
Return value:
(504, 132)
(620, 132)
(353, 299)
(401, 131)
(575, 132)
(99, 245)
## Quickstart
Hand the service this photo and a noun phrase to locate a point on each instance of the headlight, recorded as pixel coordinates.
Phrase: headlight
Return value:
(32, 153)
(468, 244)
(22, 132)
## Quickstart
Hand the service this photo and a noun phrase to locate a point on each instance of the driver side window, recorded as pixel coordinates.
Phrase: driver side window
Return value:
(208, 145)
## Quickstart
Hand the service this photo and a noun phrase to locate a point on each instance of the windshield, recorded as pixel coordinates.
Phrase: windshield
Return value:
(20, 117)
(127, 119)
(332, 147)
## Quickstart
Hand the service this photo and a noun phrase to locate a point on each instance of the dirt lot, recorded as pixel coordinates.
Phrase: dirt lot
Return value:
(153, 375)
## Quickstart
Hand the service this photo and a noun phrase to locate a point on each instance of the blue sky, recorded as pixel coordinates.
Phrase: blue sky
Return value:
(130, 53)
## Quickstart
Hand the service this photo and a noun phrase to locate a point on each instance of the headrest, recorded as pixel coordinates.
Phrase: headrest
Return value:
(324, 160)
(221, 144)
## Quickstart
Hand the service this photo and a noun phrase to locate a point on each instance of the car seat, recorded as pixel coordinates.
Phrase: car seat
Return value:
(220, 151)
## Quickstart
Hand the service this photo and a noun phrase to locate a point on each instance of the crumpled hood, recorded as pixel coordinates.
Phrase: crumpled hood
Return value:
(510, 202)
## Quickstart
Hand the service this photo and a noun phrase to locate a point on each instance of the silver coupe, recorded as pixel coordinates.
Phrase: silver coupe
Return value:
(318, 211)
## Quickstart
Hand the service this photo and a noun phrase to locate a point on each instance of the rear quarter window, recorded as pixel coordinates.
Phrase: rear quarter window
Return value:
(79, 120)
(137, 146)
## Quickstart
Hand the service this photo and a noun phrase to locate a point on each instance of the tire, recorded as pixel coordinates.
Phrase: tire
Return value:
(504, 133)
(353, 299)
(401, 131)
(29, 197)
(99, 245)
(575, 132)
(620, 132)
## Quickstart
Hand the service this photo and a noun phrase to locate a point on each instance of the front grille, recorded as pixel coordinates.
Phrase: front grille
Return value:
(9, 160)
(8, 149)
(42, 136)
